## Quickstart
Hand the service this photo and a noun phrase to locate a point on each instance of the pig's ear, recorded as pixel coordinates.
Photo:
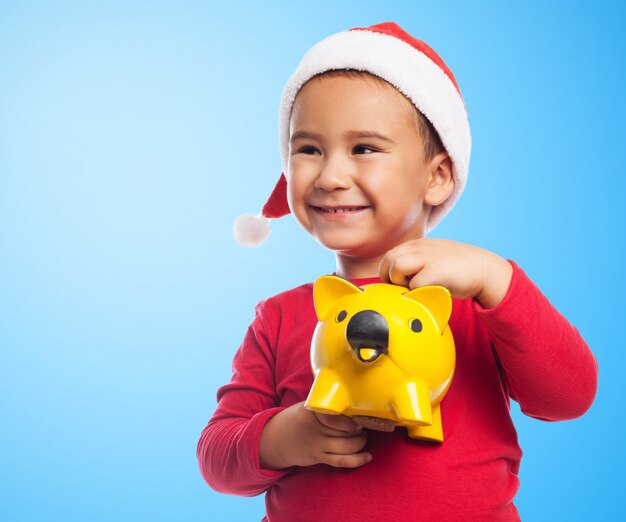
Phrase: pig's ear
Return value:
(328, 290)
(437, 301)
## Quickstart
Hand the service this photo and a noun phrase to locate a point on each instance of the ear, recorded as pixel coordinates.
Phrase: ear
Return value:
(328, 290)
(440, 180)
(436, 300)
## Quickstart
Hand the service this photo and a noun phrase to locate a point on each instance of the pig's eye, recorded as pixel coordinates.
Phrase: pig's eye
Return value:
(341, 316)
(416, 325)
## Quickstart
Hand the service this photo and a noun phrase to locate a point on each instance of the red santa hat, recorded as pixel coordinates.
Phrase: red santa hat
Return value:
(386, 51)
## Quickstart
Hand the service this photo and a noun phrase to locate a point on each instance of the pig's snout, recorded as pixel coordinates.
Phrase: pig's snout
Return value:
(368, 335)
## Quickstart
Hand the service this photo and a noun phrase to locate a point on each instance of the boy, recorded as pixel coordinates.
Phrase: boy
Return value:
(375, 147)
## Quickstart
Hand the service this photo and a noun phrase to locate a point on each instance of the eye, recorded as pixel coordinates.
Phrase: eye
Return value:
(341, 316)
(363, 149)
(308, 149)
(416, 325)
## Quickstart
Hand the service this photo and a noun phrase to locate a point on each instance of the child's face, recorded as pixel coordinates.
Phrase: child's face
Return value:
(357, 172)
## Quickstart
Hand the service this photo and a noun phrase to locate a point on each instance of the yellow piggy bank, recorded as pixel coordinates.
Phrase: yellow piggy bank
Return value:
(382, 351)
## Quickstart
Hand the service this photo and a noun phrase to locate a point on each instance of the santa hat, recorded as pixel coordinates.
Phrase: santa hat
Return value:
(386, 51)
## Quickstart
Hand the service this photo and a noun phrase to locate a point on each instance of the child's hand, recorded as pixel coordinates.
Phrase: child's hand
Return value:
(465, 270)
(299, 437)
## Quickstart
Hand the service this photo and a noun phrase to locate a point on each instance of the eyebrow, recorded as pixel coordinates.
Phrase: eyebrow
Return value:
(369, 134)
(350, 134)
(304, 135)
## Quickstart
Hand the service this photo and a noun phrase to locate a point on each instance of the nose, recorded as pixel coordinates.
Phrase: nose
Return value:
(334, 174)
(368, 335)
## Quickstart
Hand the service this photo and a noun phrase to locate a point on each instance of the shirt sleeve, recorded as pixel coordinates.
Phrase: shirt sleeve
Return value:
(228, 449)
(549, 368)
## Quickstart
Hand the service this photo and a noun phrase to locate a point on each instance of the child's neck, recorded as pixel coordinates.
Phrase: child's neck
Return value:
(352, 268)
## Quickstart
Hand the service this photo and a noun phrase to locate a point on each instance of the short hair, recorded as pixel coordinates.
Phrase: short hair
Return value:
(430, 137)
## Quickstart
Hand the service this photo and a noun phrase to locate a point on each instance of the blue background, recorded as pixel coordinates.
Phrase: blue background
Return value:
(131, 135)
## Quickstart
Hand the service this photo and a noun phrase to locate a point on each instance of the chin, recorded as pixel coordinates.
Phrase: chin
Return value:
(337, 244)
(358, 251)
(355, 247)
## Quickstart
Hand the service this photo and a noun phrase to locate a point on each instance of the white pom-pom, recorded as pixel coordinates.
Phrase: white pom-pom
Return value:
(250, 230)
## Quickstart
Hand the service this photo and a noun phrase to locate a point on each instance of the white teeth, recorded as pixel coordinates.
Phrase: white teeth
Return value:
(340, 210)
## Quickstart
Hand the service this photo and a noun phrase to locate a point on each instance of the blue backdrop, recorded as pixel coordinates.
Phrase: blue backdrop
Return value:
(131, 135)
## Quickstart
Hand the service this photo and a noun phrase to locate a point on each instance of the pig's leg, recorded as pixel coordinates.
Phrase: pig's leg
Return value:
(411, 402)
(328, 394)
(433, 432)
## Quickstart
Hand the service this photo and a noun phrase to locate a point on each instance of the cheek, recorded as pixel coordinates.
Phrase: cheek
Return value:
(296, 191)
(299, 181)
(394, 186)
(399, 199)
(292, 183)
(407, 183)
(291, 194)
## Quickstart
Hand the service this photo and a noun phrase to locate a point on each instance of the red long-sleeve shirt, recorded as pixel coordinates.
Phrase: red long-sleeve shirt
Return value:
(523, 349)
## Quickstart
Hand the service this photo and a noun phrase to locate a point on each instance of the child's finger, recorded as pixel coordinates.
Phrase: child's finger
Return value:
(412, 248)
(383, 268)
(404, 267)
(345, 445)
(347, 461)
(339, 423)
(425, 277)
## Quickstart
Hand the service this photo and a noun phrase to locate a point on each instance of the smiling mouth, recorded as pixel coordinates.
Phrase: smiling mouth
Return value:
(338, 210)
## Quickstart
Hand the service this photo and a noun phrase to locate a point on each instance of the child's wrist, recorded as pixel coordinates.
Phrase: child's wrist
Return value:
(269, 451)
(496, 282)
